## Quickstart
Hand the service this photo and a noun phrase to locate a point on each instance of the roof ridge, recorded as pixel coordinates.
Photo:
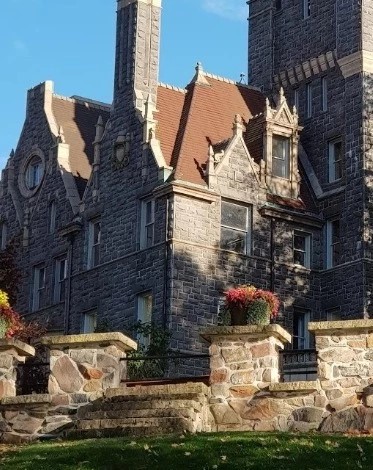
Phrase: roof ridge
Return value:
(172, 87)
(229, 80)
(82, 100)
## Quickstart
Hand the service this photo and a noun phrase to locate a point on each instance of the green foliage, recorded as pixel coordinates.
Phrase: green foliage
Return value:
(258, 313)
(153, 341)
(10, 275)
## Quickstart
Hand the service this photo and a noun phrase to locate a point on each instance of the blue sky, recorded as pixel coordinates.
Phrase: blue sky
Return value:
(72, 43)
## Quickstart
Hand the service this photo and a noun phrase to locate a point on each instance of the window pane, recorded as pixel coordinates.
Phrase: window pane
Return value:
(234, 216)
(280, 156)
(233, 240)
(96, 233)
(299, 242)
(335, 231)
(149, 212)
(300, 258)
(149, 235)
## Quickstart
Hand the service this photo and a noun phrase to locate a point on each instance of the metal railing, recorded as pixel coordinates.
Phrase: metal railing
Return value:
(173, 366)
(298, 364)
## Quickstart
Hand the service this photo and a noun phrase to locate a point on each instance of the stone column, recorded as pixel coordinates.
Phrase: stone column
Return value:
(84, 366)
(244, 360)
(345, 354)
(12, 353)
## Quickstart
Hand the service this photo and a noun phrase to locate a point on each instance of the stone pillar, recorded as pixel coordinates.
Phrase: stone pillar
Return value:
(345, 354)
(87, 364)
(244, 360)
(12, 353)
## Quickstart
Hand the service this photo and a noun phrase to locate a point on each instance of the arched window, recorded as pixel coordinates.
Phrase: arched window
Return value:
(34, 173)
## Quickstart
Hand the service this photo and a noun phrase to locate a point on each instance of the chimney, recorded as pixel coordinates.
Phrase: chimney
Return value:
(137, 53)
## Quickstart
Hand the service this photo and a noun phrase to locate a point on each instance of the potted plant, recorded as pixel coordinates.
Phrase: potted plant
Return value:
(248, 305)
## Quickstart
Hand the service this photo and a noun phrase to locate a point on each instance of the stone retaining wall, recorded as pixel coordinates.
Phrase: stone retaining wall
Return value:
(244, 394)
(340, 400)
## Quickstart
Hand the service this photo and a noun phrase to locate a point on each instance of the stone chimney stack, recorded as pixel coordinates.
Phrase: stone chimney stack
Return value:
(137, 53)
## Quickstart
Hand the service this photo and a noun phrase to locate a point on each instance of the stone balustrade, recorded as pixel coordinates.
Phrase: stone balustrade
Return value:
(12, 353)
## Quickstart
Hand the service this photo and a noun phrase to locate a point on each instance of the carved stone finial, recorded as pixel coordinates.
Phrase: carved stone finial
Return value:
(99, 129)
(199, 76)
(11, 155)
(282, 95)
(268, 110)
(237, 125)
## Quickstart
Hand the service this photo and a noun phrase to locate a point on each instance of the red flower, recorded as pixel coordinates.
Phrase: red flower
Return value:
(244, 296)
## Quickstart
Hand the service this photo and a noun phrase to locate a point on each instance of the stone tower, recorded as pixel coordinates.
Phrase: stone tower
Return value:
(321, 53)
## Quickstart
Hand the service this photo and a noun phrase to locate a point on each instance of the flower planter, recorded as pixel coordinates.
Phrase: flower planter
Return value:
(238, 316)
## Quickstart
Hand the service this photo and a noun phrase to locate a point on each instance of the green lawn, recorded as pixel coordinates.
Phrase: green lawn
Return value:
(209, 451)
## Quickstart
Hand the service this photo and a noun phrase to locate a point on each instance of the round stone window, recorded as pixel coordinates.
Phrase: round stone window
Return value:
(32, 173)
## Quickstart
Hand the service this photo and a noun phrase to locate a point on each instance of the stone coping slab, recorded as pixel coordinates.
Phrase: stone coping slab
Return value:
(303, 386)
(330, 327)
(145, 390)
(254, 332)
(122, 342)
(22, 348)
(27, 400)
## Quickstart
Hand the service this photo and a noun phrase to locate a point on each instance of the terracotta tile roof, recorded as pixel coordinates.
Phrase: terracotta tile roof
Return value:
(170, 103)
(78, 119)
(207, 118)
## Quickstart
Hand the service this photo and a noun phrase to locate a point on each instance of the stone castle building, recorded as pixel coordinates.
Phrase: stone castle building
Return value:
(149, 208)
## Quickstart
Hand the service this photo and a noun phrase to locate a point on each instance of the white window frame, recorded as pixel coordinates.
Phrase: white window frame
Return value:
(89, 322)
(324, 94)
(306, 9)
(307, 251)
(93, 244)
(285, 158)
(3, 235)
(248, 225)
(37, 288)
(57, 278)
(332, 162)
(147, 226)
(144, 315)
(309, 100)
(329, 242)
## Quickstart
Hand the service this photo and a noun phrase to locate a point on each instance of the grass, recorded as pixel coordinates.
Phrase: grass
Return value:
(228, 451)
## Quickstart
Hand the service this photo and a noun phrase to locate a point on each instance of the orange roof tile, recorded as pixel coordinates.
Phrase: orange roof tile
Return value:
(78, 120)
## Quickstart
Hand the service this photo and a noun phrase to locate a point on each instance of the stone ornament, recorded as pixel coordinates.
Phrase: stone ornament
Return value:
(121, 152)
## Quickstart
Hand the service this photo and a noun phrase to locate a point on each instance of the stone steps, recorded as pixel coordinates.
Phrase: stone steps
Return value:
(144, 411)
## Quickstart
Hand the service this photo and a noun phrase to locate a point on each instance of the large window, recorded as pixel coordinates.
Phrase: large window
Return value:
(280, 156)
(3, 235)
(235, 227)
(333, 243)
(335, 160)
(60, 277)
(302, 339)
(302, 249)
(38, 288)
(144, 314)
(94, 241)
(147, 224)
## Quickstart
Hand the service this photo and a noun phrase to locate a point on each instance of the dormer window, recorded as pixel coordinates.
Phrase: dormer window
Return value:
(279, 167)
(280, 156)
